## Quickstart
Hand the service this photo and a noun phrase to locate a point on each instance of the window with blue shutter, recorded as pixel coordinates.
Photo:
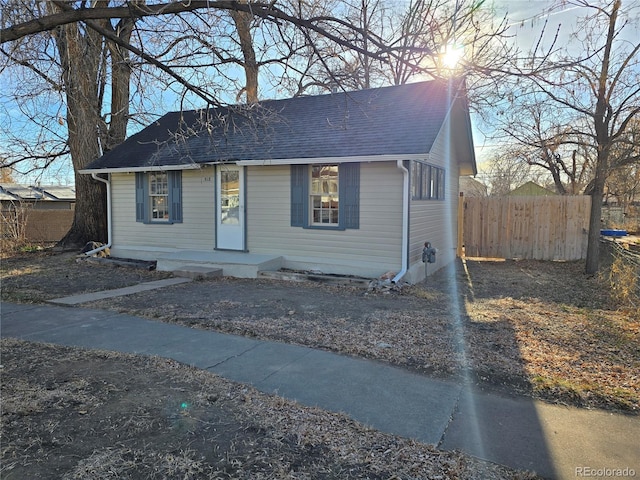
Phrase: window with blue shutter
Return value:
(325, 196)
(159, 197)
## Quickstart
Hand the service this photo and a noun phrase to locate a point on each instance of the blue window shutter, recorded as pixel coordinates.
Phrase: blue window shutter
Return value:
(299, 195)
(175, 196)
(349, 181)
(142, 197)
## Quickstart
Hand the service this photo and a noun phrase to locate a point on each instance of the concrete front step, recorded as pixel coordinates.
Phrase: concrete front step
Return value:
(198, 272)
(232, 264)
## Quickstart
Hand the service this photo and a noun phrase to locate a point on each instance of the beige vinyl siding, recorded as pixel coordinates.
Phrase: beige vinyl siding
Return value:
(372, 249)
(436, 220)
(196, 232)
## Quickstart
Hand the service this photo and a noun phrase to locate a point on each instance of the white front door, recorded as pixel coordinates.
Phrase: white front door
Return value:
(230, 207)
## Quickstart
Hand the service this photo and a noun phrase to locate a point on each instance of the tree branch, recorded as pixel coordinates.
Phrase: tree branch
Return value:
(118, 41)
(55, 85)
(262, 10)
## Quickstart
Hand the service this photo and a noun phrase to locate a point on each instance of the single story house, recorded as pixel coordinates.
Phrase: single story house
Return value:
(470, 187)
(41, 197)
(531, 189)
(37, 214)
(346, 183)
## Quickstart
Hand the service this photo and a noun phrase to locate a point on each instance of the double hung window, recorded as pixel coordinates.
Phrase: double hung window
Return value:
(159, 197)
(325, 196)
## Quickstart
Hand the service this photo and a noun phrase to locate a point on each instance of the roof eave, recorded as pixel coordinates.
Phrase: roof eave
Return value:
(354, 159)
(468, 169)
(154, 168)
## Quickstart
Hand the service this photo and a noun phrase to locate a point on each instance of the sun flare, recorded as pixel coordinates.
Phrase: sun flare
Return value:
(451, 55)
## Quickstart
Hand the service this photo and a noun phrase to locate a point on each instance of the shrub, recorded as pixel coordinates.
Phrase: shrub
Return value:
(623, 278)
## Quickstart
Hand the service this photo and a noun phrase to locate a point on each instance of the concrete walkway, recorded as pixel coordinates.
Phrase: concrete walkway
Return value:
(554, 441)
(119, 292)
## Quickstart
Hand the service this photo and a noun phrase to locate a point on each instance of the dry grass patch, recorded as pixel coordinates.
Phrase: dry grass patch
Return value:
(585, 358)
(43, 275)
(536, 328)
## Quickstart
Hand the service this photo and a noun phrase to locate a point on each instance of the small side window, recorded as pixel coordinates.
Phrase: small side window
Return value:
(427, 181)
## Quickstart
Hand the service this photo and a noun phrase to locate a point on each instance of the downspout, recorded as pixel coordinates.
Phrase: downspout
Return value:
(108, 245)
(405, 221)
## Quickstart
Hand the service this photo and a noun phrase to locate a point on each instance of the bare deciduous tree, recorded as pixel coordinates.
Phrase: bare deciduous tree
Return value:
(541, 137)
(506, 171)
(592, 88)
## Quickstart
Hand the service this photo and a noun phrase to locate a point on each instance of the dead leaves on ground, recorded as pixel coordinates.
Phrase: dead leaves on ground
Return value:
(155, 418)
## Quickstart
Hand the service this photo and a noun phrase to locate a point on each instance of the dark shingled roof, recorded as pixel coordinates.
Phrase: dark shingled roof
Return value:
(391, 120)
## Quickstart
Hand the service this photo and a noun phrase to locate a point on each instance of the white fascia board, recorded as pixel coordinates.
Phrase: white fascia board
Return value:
(360, 159)
(155, 168)
(466, 167)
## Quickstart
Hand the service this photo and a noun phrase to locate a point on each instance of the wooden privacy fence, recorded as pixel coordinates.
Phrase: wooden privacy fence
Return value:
(540, 228)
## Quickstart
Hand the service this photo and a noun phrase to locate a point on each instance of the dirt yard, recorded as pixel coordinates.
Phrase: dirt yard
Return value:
(535, 328)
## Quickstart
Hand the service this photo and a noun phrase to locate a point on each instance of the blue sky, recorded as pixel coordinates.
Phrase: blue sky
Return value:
(526, 18)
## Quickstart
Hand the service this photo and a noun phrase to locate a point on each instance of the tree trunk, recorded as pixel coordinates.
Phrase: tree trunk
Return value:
(557, 181)
(80, 56)
(120, 85)
(81, 52)
(595, 223)
(602, 119)
(90, 216)
(243, 21)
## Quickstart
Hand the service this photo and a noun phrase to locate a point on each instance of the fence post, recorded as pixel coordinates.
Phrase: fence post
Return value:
(459, 249)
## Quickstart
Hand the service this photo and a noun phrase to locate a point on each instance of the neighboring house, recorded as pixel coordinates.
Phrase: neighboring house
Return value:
(43, 197)
(531, 189)
(346, 183)
(36, 213)
(470, 187)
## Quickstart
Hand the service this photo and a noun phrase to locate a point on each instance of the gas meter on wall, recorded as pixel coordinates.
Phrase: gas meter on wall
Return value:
(428, 253)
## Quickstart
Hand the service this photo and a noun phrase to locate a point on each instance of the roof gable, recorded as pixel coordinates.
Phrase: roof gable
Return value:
(531, 188)
(402, 119)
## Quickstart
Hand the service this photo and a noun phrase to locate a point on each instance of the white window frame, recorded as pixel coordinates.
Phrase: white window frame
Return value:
(160, 197)
(324, 190)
